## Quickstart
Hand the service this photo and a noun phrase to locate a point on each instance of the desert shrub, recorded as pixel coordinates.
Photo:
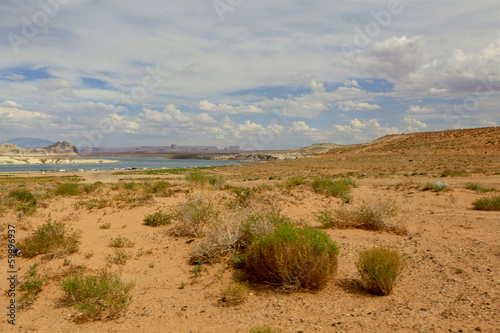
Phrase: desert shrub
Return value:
(218, 242)
(92, 203)
(120, 242)
(491, 203)
(118, 257)
(193, 215)
(105, 226)
(435, 186)
(27, 201)
(370, 216)
(50, 238)
(379, 269)
(244, 195)
(339, 188)
(197, 178)
(31, 286)
(374, 215)
(295, 181)
(454, 173)
(294, 257)
(326, 217)
(102, 295)
(259, 224)
(264, 329)
(234, 293)
(157, 219)
(478, 188)
(89, 188)
(217, 183)
(67, 189)
(23, 196)
(157, 188)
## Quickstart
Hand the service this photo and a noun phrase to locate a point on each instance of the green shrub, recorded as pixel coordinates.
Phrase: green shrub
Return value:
(339, 188)
(157, 188)
(118, 257)
(120, 242)
(101, 295)
(234, 293)
(293, 257)
(193, 215)
(23, 196)
(50, 238)
(478, 188)
(157, 219)
(67, 189)
(197, 178)
(379, 269)
(295, 181)
(326, 217)
(454, 173)
(217, 183)
(259, 224)
(491, 203)
(31, 286)
(244, 195)
(264, 329)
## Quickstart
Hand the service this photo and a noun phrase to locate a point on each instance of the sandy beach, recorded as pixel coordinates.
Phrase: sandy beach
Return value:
(4, 159)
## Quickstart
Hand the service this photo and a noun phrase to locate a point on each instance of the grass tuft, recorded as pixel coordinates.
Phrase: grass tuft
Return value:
(102, 295)
(67, 189)
(379, 269)
(491, 203)
(157, 219)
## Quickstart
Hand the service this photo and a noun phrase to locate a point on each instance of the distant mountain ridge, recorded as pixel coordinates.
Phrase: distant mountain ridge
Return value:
(30, 143)
(58, 148)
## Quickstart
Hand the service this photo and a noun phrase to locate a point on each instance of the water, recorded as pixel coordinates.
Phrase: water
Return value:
(139, 162)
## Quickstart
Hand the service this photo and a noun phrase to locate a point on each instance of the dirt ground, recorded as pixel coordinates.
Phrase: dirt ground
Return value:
(451, 283)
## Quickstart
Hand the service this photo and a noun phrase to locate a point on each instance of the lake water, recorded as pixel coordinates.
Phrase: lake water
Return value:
(138, 162)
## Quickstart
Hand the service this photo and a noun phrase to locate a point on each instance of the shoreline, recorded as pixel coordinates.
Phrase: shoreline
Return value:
(29, 160)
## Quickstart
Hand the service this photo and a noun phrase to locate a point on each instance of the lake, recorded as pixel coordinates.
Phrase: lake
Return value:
(139, 162)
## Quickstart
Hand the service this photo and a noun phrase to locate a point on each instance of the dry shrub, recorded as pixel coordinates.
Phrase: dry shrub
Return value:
(369, 216)
(293, 257)
(223, 238)
(234, 293)
(379, 269)
(193, 215)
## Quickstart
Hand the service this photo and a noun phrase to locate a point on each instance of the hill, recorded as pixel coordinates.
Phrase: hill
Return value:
(464, 141)
(30, 143)
(58, 148)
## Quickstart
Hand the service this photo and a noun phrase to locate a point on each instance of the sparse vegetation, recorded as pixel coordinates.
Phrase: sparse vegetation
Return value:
(294, 257)
(295, 181)
(454, 173)
(490, 203)
(50, 238)
(157, 219)
(31, 286)
(118, 257)
(478, 188)
(264, 329)
(234, 293)
(67, 189)
(120, 242)
(339, 188)
(379, 269)
(98, 296)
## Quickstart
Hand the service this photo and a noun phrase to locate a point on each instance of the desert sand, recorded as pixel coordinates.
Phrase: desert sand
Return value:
(451, 282)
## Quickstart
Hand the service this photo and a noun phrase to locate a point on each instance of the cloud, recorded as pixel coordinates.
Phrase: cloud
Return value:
(205, 105)
(394, 58)
(10, 104)
(356, 106)
(15, 77)
(412, 125)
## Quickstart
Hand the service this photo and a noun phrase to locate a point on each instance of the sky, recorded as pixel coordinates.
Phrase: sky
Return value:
(274, 74)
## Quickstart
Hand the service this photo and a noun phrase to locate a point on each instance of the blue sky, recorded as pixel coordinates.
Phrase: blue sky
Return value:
(257, 74)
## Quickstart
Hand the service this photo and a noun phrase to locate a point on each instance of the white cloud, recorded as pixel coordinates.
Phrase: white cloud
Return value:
(412, 125)
(418, 109)
(205, 105)
(10, 104)
(15, 77)
(356, 106)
